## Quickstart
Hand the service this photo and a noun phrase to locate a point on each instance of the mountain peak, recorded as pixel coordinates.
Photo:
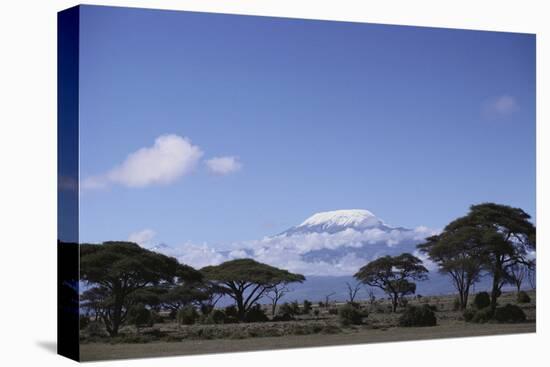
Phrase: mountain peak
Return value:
(359, 218)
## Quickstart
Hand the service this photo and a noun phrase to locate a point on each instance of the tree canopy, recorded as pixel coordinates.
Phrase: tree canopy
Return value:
(459, 254)
(119, 269)
(247, 281)
(394, 275)
(507, 238)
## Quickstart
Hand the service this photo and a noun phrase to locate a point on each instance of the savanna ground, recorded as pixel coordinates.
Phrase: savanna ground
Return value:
(323, 329)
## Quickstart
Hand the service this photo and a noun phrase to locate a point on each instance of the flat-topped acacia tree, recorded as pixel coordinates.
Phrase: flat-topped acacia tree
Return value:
(120, 269)
(247, 281)
(508, 239)
(458, 253)
(394, 275)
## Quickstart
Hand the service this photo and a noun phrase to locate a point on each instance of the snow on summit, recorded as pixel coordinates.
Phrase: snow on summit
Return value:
(343, 218)
(333, 243)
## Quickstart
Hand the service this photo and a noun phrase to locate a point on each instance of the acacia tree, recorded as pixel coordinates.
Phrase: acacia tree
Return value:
(458, 253)
(353, 289)
(247, 281)
(518, 273)
(508, 239)
(275, 294)
(120, 269)
(394, 275)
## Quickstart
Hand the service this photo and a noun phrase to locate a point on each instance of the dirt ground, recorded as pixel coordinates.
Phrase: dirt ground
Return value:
(102, 351)
(380, 327)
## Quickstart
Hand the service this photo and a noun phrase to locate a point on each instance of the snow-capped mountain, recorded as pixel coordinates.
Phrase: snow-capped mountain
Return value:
(338, 220)
(328, 248)
(329, 243)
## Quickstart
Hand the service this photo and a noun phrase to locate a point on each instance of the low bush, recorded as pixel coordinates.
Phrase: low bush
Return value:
(139, 315)
(187, 316)
(333, 311)
(307, 307)
(482, 316)
(283, 317)
(509, 313)
(418, 316)
(231, 315)
(482, 300)
(256, 314)
(350, 315)
(217, 316)
(523, 297)
(214, 317)
(468, 314)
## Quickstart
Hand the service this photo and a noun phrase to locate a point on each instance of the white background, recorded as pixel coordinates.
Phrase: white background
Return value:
(28, 182)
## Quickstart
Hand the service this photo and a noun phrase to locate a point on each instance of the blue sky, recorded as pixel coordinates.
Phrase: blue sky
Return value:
(413, 124)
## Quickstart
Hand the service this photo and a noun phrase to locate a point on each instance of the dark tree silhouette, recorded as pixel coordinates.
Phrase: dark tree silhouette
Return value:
(458, 253)
(119, 269)
(247, 281)
(518, 273)
(353, 289)
(275, 294)
(394, 275)
(508, 239)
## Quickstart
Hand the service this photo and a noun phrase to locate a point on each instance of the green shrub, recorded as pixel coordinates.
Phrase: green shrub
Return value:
(350, 315)
(523, 297)
(187, 315)
(231, 311)
(292, 309)
(214, 317)
(468, 314)
(256, 314)
(509, 313)
(283, 317)
(307, 307)
(231, 315)
(483, 315)
(139, 315)
(333, 311)
(217, 316)
(418, 316)
(482, 300)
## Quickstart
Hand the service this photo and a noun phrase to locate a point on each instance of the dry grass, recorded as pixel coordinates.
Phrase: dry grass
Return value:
(168, 340)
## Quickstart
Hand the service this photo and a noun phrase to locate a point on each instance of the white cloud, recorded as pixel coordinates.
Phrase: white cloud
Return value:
(143, 237)
(501, 106)
(288, 251)
(198, 256)
(170, 158)
(224, 165)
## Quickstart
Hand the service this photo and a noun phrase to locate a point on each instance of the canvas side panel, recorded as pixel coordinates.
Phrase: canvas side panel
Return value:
(67, 176)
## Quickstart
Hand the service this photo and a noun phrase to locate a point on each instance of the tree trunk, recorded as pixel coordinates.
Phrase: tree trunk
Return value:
(240, 307)
(495, 291)
(394, 302)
